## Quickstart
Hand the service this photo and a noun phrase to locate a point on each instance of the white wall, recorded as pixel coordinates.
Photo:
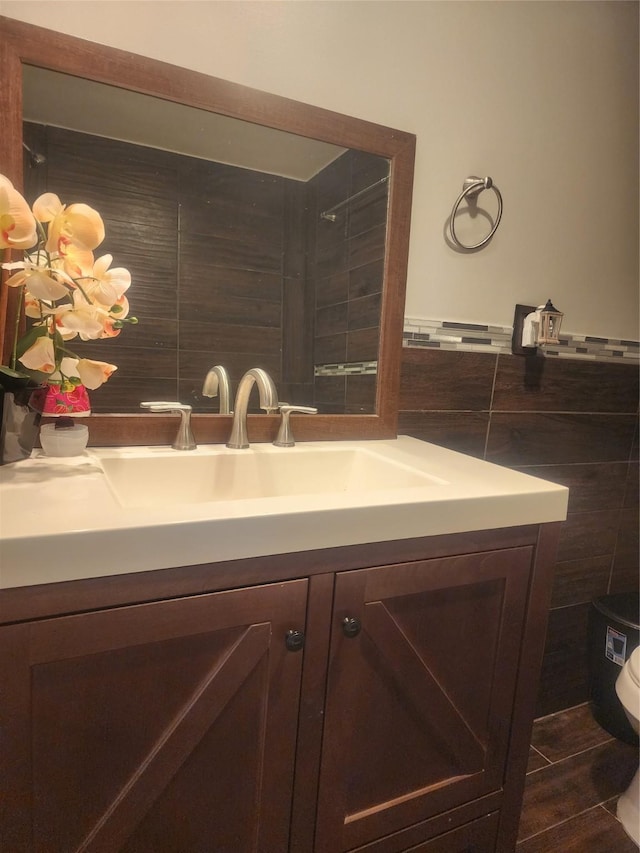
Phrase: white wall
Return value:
(542, 96)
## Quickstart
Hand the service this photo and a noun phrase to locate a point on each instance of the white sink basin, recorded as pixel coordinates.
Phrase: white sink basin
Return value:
(166, 479)
(134, 509)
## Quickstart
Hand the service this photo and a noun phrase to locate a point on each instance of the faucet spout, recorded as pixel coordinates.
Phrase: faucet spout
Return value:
(217, 382)
(268, 401)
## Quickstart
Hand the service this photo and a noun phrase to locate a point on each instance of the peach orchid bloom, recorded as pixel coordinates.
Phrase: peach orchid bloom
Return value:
(77, 225)
(94, 373)
(40, 356)
(39, 282)
(77, 262)
(80, 319)
(32, 307)
(109, 285)
(17, 223)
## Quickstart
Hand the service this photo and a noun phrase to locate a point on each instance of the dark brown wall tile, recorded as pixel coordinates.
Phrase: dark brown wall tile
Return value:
(631, 497)
(367, 246)
(547, 439)
(153, 274)
(331, 259)
(332, 289)
(361, 393)
(330, 391)
(588, 534)
(580, 581)
(369, 212)
(332, 319)
(237, 253)
(330, 349)
(202, 281)
(198, 335)
(440, 380)
(591, 486)
(125, 393)
(194, 364)
(626, 569)
(366, 280)
(461, 431)
(564, 385)
(362, 345)
(564, 678)
(158, 362)
(146, 177)
(364, 313)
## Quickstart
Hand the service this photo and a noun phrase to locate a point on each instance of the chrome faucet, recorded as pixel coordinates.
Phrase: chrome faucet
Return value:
(268, 401)
(184, 439)
(217, 382)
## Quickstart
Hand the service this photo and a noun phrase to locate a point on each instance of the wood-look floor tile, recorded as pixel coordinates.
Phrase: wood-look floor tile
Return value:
(567, 733)
(536, 760)
(562, 790)
(593, 831)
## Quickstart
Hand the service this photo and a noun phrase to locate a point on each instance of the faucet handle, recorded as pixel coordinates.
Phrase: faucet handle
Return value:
(285, 436)
(184, 439)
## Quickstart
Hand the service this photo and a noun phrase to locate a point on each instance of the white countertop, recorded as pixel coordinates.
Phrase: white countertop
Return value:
(60, 519)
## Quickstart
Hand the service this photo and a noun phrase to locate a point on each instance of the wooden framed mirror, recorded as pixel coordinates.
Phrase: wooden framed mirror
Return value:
(368, 156)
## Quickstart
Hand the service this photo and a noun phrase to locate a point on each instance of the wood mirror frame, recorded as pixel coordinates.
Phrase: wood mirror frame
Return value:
(23, 43)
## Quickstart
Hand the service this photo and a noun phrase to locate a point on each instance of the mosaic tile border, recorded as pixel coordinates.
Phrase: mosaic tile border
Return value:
(353, 368)
(474, 337)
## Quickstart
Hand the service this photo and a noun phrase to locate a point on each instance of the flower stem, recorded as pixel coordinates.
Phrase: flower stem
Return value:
(16, 328)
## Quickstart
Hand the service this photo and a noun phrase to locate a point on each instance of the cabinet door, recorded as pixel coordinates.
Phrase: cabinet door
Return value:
(167, 726)
(419, 699)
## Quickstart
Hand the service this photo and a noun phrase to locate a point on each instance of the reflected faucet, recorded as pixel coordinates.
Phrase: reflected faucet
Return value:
(217, 382)
(268, 401)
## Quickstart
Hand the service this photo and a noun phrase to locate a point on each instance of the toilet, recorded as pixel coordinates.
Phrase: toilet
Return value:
(628, 690)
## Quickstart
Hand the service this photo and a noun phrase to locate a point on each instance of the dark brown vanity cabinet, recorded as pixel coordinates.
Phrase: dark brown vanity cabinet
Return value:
(168, 726)
(422, 670)
(376, 709)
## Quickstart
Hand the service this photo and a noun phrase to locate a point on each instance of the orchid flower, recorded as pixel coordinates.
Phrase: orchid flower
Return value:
(18, 229)
(65, 292)
(107, 286)
(81, 319)
(94, 373)
(41, 281)
(77, 225)
(40, 355)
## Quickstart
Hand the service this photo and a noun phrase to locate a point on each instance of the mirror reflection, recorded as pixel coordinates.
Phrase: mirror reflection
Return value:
(247, 246)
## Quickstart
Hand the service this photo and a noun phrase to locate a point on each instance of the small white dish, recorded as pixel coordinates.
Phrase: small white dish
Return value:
(68, 441)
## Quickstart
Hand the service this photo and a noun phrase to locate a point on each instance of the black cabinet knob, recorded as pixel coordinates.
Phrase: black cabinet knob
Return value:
(294, 640)
(351, 626)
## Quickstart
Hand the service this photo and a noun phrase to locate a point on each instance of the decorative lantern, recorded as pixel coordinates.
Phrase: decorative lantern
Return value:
(535, 327)
(550, 322)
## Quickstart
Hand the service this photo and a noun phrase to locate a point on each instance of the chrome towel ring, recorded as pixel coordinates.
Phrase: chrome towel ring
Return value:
(471, 189)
